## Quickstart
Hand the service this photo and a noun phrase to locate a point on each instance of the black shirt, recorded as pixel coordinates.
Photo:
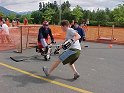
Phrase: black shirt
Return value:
(43, 33)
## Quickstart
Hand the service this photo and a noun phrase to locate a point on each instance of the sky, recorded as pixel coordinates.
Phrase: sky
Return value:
(31, 5)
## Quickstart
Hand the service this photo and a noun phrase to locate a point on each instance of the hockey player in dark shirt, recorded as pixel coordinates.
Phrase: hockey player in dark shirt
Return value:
(43, 34)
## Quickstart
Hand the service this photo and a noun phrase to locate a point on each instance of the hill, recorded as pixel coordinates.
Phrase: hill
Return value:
(6, 11)
(24, 13)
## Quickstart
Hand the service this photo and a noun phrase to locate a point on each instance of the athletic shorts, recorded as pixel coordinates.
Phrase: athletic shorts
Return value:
(69, 56)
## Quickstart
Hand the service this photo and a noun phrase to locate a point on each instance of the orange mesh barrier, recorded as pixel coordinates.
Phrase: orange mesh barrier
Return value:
(30, 32)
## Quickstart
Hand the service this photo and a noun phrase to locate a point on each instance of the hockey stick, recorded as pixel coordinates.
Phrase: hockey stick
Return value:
(18, 60)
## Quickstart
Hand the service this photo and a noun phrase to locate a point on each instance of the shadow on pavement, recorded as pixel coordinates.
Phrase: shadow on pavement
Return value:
(56, 77)
(24, 80)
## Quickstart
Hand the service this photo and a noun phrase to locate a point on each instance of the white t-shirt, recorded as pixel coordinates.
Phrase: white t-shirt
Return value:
(5, 28)
(70, 35)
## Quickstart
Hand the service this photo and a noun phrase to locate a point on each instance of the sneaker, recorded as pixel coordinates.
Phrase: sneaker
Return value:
(45, 70)
(76, 76)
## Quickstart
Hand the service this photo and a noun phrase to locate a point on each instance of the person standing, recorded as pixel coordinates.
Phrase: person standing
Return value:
(17, 22)
(71, 54)
(5, 31)
(13, 23)
(7, 22)
(1, 36)
(87, 22)
(80, 31)
(84, 26)
(72, 24)
(25, 21)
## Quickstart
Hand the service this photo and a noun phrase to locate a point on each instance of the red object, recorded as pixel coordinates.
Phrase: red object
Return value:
(0, 18)
(45, 23)
(40, 45)
(7, 22)
(25, 21)
(110, 46)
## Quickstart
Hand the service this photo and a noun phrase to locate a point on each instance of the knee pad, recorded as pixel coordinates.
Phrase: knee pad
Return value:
(46, 50)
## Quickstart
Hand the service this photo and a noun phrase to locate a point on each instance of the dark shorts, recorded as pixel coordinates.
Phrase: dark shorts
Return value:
(69, 56)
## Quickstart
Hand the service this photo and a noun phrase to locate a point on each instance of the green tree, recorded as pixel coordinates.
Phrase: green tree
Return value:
(118, 13)
(2, 15)
(77, 13)
(40, 6)
(48, 14)
(108, 14)
(66, 14)
(100, 16)
(37, 17)
(93, 16)
(12, 16)
(65, 5)
(86, 14)
(27, 16)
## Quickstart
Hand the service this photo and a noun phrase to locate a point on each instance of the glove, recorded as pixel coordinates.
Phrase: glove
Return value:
(57, 51)
(67, 44)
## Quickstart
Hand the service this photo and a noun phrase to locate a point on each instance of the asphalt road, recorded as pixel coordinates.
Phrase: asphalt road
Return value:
(101, 69)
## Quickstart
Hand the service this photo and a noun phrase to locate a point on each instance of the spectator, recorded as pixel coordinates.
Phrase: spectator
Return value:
(72, 24)
(80, 31)
(5, 31)
(25, 21)
(87, 22)
(7, 22)
(83, 23)
(13, 23)
(1, 36)
(17, 21)
(84, 26)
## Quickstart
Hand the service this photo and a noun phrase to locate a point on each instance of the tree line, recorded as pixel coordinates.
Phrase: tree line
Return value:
(51, 12)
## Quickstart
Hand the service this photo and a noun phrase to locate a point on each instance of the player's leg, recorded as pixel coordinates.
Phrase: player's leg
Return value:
(76, 74)
(53, 66)
(43, 42)
(74, 58)
(73, 69)
(62, 58)
(44, 45)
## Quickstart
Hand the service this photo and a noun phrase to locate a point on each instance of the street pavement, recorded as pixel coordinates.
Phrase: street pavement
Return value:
(101, 69)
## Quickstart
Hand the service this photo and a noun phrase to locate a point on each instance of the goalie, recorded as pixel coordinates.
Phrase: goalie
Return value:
(44, 31)
(72, 50)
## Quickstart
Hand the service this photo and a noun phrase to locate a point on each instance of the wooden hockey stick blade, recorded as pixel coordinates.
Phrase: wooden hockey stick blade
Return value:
(16, 59)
